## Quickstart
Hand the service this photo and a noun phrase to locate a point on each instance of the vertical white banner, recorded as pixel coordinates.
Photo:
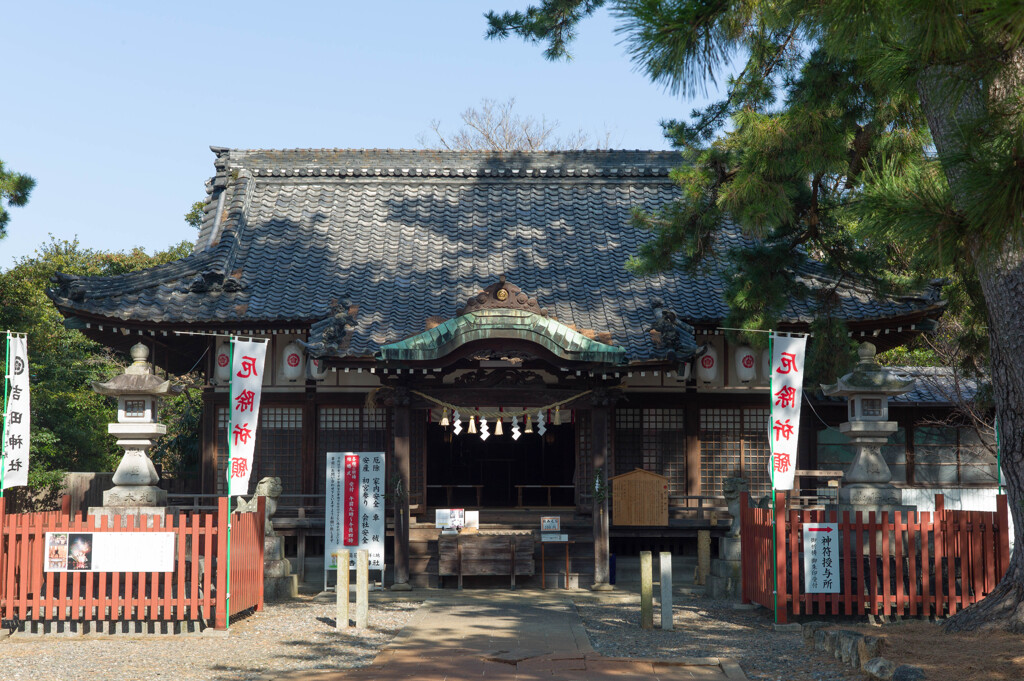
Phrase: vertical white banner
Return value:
(246, 387)
(354, 508)
(786, 394)
(16, 432)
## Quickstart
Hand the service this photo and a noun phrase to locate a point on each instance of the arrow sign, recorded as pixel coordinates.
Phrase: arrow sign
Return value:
(819, 529)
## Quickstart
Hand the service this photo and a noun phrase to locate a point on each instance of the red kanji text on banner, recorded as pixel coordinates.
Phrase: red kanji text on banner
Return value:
(246, 388)
(786, 394)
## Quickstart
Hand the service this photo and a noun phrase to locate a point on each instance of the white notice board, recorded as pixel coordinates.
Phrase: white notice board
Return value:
(109, 552)
(354, 508)
(821, 558)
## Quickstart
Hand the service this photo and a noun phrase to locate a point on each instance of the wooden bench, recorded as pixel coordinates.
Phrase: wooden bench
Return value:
(474, 555)
(520, 488)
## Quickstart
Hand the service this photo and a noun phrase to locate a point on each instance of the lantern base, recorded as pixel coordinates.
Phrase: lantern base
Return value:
(134, 496)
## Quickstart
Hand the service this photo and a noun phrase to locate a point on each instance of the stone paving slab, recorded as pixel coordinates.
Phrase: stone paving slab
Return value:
(511, 639)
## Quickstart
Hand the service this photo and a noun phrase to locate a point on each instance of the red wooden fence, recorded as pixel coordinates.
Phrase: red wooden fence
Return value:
(909, 564)
(195, 590)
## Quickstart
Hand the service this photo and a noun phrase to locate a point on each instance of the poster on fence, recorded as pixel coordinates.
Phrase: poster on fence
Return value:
(109, 552)
(354, 508)
(821, 569)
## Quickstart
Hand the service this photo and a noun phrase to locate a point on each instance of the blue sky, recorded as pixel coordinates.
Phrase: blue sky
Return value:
(112, 107)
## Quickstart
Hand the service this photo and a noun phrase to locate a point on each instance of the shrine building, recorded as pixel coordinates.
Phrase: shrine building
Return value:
(398, 287)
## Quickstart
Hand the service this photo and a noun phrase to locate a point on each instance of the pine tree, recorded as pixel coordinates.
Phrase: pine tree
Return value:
(883, 138)
(15, 189)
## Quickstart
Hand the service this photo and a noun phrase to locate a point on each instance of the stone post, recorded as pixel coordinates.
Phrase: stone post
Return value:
(362, 588)
(646, 591)
(341, 591)
(665, 563)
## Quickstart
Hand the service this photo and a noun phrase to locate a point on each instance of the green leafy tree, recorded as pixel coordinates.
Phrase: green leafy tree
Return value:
(69, 420)
(194, 216)
(883, 138)
(15, 189)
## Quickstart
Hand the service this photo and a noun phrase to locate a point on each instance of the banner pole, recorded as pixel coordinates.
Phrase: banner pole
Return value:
(771, 464)
(231, 380)
(3, 429)
(999, 458)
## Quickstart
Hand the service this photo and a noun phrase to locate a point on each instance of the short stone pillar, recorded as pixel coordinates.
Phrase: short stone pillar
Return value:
(867, 484)
(725, 580)
(138, 391)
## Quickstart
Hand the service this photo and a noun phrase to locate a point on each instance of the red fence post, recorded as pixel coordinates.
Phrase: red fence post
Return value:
(746, 550)
(782, 607)
(65, 504)
(261, 528)
(221, 574)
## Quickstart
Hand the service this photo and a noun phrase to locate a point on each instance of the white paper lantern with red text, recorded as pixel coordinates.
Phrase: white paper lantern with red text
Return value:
(316, 369)
(707, 365)
(293, 361)
(222, 364)
(746, 364)
(766, 366)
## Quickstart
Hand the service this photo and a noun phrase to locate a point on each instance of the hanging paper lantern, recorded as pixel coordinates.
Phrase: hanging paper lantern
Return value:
(456, 422)
(444, 418)
(766, 366)
(291, 361)
(484, 432)
(707, 365)
(316, 369)
(746, 369)
(472, 426)
(222, 372)
(497, 427)
(515, 428)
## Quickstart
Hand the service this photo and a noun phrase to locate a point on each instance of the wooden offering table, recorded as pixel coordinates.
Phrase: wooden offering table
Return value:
(484, 555)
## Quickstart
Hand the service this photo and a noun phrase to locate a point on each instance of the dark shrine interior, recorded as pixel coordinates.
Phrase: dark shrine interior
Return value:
(499, 464)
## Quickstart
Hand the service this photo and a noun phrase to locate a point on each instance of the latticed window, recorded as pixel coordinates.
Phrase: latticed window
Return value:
(350, 429)
(734, 443)
(654, 440)
(278, 448)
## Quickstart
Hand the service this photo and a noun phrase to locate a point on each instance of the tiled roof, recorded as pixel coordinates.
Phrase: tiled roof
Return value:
(937, 385)
(395, 237)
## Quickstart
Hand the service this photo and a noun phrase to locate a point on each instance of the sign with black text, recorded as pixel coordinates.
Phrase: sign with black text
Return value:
(16, 421)
(354, 507)
(821, 558)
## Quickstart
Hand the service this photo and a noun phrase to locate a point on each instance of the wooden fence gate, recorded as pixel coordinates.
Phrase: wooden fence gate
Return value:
(908, 564)
(195, 590)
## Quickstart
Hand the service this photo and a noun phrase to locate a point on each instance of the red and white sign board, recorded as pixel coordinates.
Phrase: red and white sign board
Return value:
(786, 395)
(109, 552)
(354, 507)
(246, 387)
(821, 558)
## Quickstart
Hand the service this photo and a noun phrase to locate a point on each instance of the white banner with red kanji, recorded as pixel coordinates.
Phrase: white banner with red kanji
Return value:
(246, 386)
(786, 393)
(17, 426)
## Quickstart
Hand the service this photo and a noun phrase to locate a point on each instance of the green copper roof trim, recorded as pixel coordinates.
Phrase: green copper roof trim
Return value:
(502, 323)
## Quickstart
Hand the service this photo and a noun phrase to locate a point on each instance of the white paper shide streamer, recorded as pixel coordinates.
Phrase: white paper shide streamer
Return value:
(786, 395)
(17, 420)
(246, 387)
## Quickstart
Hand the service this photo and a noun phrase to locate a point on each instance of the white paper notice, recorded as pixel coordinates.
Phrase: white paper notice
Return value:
(354, 507)
(109, 552)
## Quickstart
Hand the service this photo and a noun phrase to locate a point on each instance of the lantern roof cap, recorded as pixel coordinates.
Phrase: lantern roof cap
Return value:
(869, 377)
(137, 379)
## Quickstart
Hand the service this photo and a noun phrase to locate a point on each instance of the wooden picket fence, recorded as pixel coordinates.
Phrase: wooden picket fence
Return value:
(196, 589)
(908, 564)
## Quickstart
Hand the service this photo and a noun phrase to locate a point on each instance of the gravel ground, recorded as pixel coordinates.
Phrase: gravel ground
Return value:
(709, 628)
(292, 636)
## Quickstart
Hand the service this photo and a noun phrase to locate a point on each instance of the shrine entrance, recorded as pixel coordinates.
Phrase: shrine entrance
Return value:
(534, 470)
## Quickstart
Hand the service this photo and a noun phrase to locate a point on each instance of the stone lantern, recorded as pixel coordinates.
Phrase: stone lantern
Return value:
(867, 485)
(138, 392)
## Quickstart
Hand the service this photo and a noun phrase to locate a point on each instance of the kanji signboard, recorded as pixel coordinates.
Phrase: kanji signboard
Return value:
(821, 558)
(354, 507)
(246, 387)
(16, 426)
(786, 393)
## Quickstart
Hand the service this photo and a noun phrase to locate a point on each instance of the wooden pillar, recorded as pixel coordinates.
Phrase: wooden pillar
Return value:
(208, 442)
(402, 455)
(599, 451)
(309, 441)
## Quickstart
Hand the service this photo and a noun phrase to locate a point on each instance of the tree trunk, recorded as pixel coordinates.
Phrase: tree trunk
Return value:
(952, 101)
